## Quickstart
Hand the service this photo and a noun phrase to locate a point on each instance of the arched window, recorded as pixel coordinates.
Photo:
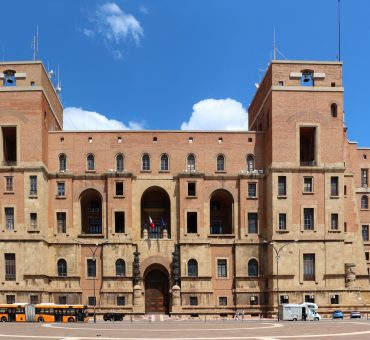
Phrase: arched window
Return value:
(252, 267)
(62, 267)
(307, 78)
(250, 163)
(220, 163)
(192, 268)
(364, 202)
(120, 268)
(146, 162)
(190, 162)
(164, 163)
(333, 110)
(9, 78)
(119, 162)
(62, 162)
(90, 162)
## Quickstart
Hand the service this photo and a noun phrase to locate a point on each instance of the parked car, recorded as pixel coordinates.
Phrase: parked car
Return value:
(113, 316)
(338, 314)
(355, 315)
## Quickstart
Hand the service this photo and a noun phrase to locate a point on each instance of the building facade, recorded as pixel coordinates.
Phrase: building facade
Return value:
(185, 222)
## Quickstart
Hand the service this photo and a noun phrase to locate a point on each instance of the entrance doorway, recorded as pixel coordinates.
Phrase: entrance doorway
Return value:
(156, 291)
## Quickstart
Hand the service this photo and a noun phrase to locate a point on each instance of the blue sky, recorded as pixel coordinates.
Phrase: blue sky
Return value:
(191, 64)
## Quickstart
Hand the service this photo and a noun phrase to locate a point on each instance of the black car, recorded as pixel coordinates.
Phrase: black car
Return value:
(113, 316)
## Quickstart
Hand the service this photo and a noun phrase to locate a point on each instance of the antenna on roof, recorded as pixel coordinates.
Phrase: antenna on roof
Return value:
(58, 89)
(338, 30)
(35, 43)
(276, 50)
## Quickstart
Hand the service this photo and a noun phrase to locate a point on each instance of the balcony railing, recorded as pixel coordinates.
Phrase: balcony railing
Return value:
(9, 163)
(308, 163)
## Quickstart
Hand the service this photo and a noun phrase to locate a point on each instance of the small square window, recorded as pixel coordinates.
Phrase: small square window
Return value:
(334, 299)
(119, 188)
(220, 140)
(155, 139)
(62, 140)
(364, 156)
(192, 189)
(332, 84)
(190, 140)
(32, 83)
(91, 301)
(309, 298)
(280, 83)
(34, 299)
(193, 301)
(222, 301)
(254, 300)
(62, 299)
(121, 300)
(119, 140)
(284, 299)
(10, 299)
(250, 140)
(90, 139)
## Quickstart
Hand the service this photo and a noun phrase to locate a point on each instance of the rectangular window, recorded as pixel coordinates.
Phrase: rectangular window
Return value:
(334, 221)
(193, 300)
(252, 223)
(364, 177)
(61, 192)
(62, 299)
(309, 298)
(282, 221)
(253, 300)
(252, 190)
(9, 145)
(91, 301)
(365, 233)
(121, 300)
(222, 301)
(334, 299)
(284, 299)
(309, 267)
(33, 221)
(61, 223)
(10, 269)
(334, 186)
(191, 189)
(9, 184)
(9, 218)
(33, 185)
(367, 257)
(221, 268)
(119, 221)
(308, 184)
(308, 218)
(307, 141)
(91, 267)
(10, 299)
(34, 299)
(282, 185)
(119, 188)
(192, 222)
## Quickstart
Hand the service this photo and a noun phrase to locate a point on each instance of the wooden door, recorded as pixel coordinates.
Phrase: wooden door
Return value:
(156, 292)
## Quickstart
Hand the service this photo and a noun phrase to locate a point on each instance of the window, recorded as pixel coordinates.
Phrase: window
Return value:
(164, 163)
(193, 268)
(365, 233)
(90, 162)
(61, 223)
(253, 268)
(367, 255)
(334, 299)
(252, 223)
(221, 268)
(10, 299)
(284, 299)
(9, 145)
(119, 162)
(9, 78)
(33, 185)
(33, 221)
(91, 267)
(121, 300)
(119, 221)
(190, 162)
(307, 184)
(345, 190)
(145, 162)
(222, 301)
(307, 78)
(307, 146)
(220, 163)
(364, 202)
(333, 110)
(309, 298)
(119, 189)
(91, 301)
(334, 187)
(282, 221)
(10, 269)
(9, 218)
(62, 267)
(308, 218)
(62, 162)
(309, 267)
(192, 189)
(334, 222)
(9, 183)
(281, 185)
(62, 299)
(192, 222)
(250, 163)
(193, 300)
(61, 189)
(190, 139)
(253, 300)
(364, 178)
(120, 268)
(252, 190)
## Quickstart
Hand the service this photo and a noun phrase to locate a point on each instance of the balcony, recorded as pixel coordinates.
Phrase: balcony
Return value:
(9, 163)
(308, 163)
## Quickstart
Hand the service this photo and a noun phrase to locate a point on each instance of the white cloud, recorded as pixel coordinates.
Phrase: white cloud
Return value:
(217, 114)
(114, 26)
(76, 118)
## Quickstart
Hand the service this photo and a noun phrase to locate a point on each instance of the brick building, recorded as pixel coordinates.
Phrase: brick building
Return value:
(185, 222)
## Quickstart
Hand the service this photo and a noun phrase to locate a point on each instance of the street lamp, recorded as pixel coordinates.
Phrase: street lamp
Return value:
(277, 257)
(93, 252)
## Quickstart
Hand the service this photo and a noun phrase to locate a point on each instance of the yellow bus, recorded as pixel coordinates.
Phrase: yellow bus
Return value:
(43, 312)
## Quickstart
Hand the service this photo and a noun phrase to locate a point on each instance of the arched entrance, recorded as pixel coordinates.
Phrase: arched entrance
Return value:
(156, 290)
(221, 212)
(91, 212)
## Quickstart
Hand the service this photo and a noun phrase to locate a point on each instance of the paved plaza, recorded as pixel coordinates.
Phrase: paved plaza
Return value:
(228, 329)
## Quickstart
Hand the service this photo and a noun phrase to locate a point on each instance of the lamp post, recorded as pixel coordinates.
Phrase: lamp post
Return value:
(277, 257)
(93, 252)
